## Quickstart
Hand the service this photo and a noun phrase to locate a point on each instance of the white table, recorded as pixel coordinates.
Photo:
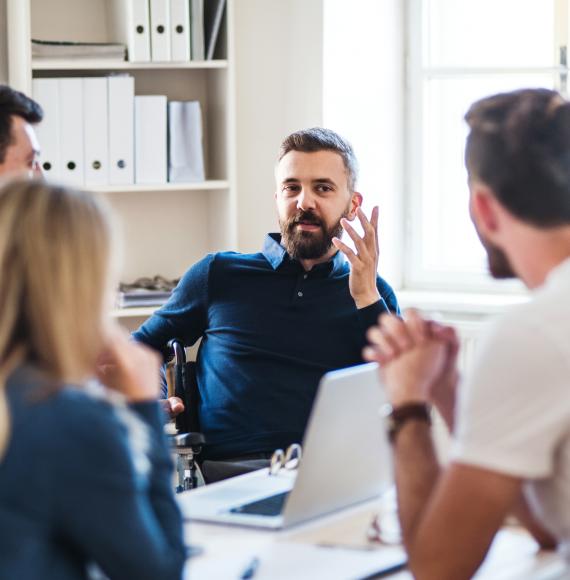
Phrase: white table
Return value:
(298, 553)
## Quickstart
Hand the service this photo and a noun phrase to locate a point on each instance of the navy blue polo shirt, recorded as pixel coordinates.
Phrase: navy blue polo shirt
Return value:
(269, 330)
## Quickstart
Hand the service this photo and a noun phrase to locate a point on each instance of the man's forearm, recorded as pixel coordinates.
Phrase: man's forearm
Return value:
(522, 512)
(446, 409)
(416, 471)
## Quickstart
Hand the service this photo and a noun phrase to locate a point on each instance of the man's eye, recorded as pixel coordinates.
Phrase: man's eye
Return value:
(324, 188)
(291, 188)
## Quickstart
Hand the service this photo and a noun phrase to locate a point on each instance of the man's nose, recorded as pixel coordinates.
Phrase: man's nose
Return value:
(306, 200)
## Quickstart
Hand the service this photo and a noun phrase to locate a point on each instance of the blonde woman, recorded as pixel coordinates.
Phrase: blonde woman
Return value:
(85, 474)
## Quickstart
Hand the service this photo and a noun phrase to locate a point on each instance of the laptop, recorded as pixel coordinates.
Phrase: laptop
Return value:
(346, 460)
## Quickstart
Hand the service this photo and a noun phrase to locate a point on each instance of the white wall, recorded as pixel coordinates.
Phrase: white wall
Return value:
(279, 54)
(364, 101)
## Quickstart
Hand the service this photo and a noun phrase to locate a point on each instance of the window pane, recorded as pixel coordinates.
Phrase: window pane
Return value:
(448, 241)
(488, 33)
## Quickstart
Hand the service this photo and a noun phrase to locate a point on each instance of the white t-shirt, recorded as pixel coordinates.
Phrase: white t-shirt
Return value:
(513, 415)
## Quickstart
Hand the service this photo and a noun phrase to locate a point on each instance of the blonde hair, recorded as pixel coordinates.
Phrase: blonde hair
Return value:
(55, 259)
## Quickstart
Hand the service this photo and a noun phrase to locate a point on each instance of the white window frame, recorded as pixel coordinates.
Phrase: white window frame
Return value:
(414, 275)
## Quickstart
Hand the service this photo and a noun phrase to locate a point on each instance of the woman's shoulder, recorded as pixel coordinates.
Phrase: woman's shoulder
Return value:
(69, 419)
(32, 392)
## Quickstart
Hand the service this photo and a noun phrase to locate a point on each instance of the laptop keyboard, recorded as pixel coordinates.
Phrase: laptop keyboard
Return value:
(268, 506)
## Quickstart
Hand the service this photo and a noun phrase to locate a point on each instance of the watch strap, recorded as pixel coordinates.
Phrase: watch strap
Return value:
(400, 415)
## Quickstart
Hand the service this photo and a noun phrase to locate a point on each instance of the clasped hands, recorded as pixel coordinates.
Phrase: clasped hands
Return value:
(418, 361)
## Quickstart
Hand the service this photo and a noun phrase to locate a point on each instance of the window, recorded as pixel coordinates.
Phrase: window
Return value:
(363, 99)
(399, 75)
(459, 52)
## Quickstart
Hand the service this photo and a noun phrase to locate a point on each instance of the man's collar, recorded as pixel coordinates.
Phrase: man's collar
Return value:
(273, 251)
(276, 254)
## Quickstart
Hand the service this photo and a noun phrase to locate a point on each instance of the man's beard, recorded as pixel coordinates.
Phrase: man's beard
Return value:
(302, 245)
(499, 264)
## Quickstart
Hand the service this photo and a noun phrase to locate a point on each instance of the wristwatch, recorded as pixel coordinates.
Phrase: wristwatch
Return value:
(396, 417)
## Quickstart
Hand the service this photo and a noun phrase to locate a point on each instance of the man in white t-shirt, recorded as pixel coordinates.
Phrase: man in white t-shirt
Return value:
(512, 420)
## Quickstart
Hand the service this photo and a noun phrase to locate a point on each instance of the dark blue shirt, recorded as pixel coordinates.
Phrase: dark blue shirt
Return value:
(269, 331)
(73, 491)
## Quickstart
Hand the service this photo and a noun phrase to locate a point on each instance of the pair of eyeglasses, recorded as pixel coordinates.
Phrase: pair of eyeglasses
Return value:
(288, 460)
(384, 529)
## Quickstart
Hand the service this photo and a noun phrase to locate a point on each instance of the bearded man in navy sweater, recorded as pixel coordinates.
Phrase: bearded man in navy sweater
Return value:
(272, 323)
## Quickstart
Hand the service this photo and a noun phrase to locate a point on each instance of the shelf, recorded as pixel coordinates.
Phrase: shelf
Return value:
(189, 220)
(197, 186)
(107, 65)
(134, 312)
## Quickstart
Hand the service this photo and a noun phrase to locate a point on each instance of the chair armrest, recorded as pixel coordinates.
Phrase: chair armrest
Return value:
(187, 440)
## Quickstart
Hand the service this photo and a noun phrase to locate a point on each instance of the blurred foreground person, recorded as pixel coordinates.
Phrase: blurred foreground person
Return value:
(511, 422)
(85, 473)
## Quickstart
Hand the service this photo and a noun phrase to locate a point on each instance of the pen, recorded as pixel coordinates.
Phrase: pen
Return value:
(251, 569)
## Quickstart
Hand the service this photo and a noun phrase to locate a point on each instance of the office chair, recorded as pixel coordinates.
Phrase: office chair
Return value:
(188, 441)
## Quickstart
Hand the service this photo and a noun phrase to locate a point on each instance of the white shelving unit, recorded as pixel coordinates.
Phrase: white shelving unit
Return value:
(169, 226)
(212, 184)
(134, 312)
(103, 65)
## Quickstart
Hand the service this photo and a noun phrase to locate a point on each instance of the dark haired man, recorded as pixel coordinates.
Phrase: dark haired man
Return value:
(274, 322)
(512, 420)
(19, 148)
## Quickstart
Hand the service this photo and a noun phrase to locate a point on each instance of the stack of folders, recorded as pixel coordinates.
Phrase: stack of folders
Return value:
(167, 30)
(78, 50)
(141, 298)
(96, 132)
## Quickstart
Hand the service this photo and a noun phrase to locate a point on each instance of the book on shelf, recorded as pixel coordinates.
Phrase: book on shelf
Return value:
(98, 133)
(185, 143)
(213, 12)
(142, 297)
(197, 30)
(151, 139)
(78, 50)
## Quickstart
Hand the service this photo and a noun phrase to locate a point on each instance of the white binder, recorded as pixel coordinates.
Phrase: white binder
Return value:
(121, 130)
(198, 40)
(185, 148)
(71, 130)
(179, 30)
(160, 30)
(129, 23)
(150, 139)
(46, 93)
(96, 131)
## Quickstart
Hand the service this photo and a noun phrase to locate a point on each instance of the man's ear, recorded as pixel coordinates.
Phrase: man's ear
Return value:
(484, 210)
(355, 203)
